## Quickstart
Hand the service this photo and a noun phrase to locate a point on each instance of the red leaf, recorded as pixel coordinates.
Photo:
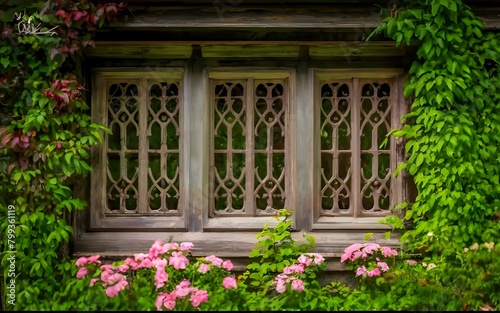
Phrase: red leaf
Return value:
(24, 163)
(6, 139)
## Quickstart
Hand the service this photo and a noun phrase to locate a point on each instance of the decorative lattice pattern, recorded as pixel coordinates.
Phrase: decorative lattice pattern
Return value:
(143, 149)
(336, 151)
(375, 161)
(248, 147)
(163, 144)
(355, 117)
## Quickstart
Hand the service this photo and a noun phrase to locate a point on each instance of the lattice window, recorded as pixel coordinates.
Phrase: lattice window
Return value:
(143, 152)
(355, 117)
(248, 164)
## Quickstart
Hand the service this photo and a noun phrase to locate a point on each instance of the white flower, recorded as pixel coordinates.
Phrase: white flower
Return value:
(431, 266)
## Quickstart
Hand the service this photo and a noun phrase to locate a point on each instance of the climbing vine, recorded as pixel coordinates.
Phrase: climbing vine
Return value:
(45, 133)
(453, 131)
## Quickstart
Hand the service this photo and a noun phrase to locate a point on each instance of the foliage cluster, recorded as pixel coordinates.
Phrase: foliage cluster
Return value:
(45, 133)
(452, 133)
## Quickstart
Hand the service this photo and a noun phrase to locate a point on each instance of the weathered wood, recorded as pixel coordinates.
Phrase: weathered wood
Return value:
(222, 244)
(227, 50)
(301, 16)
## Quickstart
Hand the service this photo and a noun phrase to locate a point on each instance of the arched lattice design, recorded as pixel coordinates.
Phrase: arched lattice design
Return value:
(248, 161)
(336, 150)
(143, 153)
(163, 143)
(375, 161)
(354, 119)
(123, 154)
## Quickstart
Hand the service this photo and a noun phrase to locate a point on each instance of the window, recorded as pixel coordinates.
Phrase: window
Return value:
(201, 153)
(140, 162)
(249, 151)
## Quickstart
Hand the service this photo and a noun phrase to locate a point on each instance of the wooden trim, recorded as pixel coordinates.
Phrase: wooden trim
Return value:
(253, 73)
(304, 145)
(361, 73)
(99, 219)
(356, 147)
(331, 244)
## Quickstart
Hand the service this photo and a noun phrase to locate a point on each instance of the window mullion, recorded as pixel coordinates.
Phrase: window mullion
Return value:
(356, 148)
(142, 200)
(250, 149)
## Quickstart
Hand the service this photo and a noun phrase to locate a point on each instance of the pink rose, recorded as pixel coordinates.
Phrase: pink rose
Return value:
(229, 282)
(228, 265)
(82, 272)
(81, 261)
(204, 268)
(360, 271)
(123, 268)
(186, 246)
(178, 260)
(215, 260)
(304, 260)
(93, 281)
(115, 289)
(374, 272)
(94, 259)
(165, 299)
(161, 277)
(281, 287)
(383, 266)
(318, 259)
(298, 285)
(198, 297)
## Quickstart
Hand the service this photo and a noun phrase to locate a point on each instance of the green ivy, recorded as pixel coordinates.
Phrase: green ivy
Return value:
(452, 131)
(46, 133)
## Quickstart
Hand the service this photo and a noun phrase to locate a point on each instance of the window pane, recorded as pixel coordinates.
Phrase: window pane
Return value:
(246, 181)
(270, 134)
(163, 144)
(335, 130)
(123, 161)
(375, 160)
(229, 159)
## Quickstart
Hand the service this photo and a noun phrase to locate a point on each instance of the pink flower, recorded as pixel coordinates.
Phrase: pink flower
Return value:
(170, 246)
(159, 263)
(178, 260)
(229, 282)
(115, 278)
(198, 297)
(228, 265)
(486, 308)
(374, 272)
(350, 250)
(318, 259)
(165, 299)
(204, 268)
(161, 277)
(156, 249)
(356, 255)
(106, 267)
(140, 256)
(183, 289)
(93, 281)
(388, 252)
(215, 260)
(81, 261)
(123, 268)
(360, 271)
(304, 260)
(132, 263)
(298, 285)
(281, 287)
(115, 289)
(146, 263)
(383, 266)
(186, 246)
(94, 259)
(82, 272)
(370, 248)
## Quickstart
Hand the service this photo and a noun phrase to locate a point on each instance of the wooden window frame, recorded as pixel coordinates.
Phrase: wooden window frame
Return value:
(99, 219)
(398, 108)
(250, 223)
